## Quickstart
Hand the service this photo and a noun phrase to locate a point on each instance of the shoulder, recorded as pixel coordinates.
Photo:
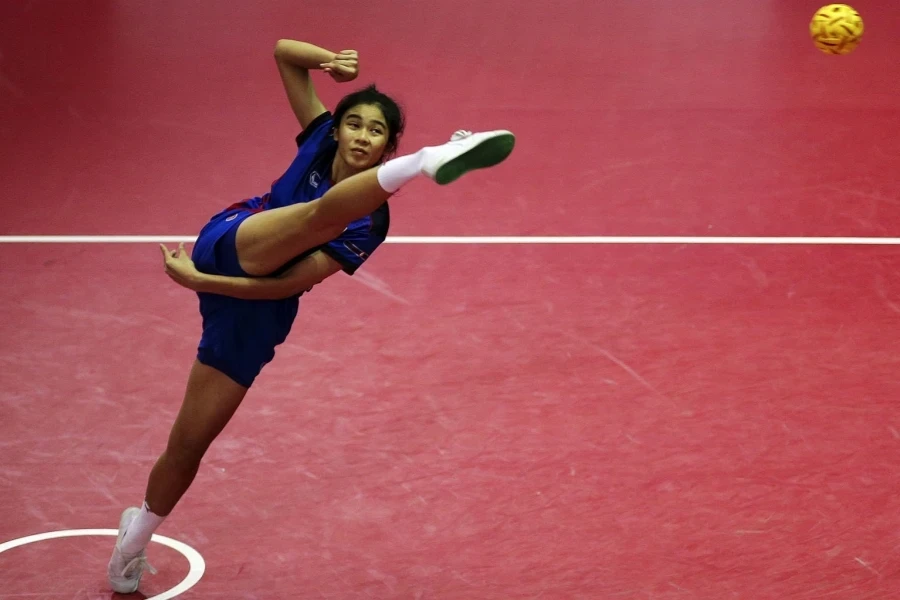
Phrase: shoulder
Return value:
(360, 239)
(373, 226)
(381, 221)
(317, 130)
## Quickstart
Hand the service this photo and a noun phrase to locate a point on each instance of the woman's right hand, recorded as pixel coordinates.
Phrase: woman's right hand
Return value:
(180, 268)
(344, 67)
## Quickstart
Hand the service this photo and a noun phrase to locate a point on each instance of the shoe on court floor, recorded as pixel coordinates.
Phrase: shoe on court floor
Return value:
(467, 151)
(125, 571)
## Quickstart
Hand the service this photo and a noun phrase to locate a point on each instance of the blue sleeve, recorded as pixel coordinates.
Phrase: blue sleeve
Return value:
(317, 130)
(353, 247)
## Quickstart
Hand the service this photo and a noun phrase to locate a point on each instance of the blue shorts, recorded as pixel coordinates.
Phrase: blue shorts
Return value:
(215, 251)
(239, 336)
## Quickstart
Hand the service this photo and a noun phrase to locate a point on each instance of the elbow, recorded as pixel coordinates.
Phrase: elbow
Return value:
(281, 49)
(285, 48)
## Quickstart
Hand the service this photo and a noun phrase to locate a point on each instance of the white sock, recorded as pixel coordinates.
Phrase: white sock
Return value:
(399, 171)
(139, 532)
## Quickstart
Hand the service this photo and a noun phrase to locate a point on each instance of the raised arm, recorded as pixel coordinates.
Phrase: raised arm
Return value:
(295, 60)
(301, 277)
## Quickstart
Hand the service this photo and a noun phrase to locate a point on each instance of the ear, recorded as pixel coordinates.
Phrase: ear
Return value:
(334, 133)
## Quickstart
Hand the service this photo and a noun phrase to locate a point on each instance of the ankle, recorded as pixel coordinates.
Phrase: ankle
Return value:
(397, 172)
(139, 532)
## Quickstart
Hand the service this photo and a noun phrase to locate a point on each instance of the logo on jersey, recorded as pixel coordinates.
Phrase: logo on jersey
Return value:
(231, 217)
(356, 250)
(314, 179)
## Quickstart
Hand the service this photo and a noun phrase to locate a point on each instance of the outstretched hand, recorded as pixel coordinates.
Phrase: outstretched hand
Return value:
(179, 266)
(344, 67)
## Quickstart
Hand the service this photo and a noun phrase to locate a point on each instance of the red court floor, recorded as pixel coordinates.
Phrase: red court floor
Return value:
(468, 421)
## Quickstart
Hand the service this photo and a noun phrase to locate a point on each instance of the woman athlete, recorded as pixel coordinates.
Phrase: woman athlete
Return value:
(328, 212)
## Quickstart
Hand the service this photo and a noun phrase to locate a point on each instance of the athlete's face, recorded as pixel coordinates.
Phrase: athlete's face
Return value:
(362, 136)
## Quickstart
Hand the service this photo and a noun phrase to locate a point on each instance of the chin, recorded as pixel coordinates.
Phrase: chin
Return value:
(356, 162)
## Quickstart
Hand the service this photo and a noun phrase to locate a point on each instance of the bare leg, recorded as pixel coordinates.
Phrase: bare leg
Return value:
(210, 401)
(269, 239)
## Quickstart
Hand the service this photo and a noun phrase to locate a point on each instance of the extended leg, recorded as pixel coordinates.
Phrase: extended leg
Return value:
(269, 239)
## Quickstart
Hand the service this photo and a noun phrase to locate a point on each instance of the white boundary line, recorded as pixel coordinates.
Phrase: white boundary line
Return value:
(815, 241)
(195, 560)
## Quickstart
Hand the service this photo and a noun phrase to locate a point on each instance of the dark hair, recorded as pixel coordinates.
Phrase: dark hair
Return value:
(392, 111)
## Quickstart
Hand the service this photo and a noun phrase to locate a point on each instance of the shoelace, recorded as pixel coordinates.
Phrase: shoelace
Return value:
(460, 134)
(138, 563)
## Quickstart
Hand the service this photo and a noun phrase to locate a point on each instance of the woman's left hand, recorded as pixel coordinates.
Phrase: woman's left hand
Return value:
(179, 267)
(344, 67)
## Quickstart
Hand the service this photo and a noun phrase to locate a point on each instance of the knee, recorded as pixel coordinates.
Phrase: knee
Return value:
(186, 452)
(321, 220)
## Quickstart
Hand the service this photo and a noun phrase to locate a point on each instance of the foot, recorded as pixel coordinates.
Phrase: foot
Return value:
(467, 151)
(125, 570)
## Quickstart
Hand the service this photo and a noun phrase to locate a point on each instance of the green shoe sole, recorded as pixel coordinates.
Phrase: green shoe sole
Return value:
(488, 153)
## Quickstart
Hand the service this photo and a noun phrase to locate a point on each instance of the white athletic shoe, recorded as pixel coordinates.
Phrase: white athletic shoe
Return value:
(125, 570)
(467, 151)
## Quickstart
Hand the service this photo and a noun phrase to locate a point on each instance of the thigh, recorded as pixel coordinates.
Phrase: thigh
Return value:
(267, 240)
(210, 400)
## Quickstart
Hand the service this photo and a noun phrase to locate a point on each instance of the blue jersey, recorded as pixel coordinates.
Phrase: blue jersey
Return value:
(240, 336)
(308, 178)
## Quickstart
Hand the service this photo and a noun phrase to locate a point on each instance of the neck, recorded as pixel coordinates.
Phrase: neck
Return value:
(340, 170)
